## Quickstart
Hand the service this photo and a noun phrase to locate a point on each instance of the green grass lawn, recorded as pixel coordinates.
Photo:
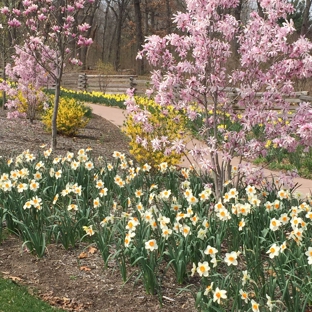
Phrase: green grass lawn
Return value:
(15, 298)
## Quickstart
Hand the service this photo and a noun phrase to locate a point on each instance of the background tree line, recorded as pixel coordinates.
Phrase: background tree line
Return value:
(118, 29)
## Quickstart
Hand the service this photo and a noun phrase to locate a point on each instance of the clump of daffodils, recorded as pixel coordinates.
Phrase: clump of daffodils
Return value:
(233, 245)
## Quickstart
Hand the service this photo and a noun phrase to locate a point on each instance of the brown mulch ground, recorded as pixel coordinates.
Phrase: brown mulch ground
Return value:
(99, 134)
(76, 280)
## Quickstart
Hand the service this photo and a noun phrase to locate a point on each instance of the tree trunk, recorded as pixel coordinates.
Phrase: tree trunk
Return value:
(110, 47)
(57, 93)
(152, 20)
(118, 47)
(118, 37)
(4, 79)
(3, 69)
(139, 34)
(260, 10)
(120, 18)
(86, 50)
(146, 27)
(169, 16)
(55, 111)
(104, 30)
(83, 57)
(236, 12)
(305, 18)
(90, 19)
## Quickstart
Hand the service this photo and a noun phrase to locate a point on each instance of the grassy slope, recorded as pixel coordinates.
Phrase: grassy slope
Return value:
(15, 298)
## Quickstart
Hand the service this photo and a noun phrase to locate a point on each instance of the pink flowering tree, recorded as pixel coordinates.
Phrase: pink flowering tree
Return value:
(29, 80)
(50, 34)
(192, 72)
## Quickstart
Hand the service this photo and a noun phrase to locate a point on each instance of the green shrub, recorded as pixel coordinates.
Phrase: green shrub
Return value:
(72, 116)
(105, 68)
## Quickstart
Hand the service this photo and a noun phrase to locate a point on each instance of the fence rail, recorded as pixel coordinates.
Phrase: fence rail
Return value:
(104, 83)
(120, 84)
(298, 97)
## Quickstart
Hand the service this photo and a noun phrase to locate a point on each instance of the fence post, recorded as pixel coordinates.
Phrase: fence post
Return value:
(132, 84)
(82, 81)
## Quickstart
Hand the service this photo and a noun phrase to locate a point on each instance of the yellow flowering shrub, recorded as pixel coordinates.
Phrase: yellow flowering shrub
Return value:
(29, 101)
(169, 123)
(72, 116)
(22, 105)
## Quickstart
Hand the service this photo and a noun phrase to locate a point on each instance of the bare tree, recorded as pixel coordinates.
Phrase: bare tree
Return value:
(89, 16)
(120, 14)
(139, 34)
(168, 16)
(236, 12)
(119, 28)
(106, 17)
(260, 10)
(305, 18)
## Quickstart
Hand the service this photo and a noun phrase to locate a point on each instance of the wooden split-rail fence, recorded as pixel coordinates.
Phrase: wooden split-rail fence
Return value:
(111, 84)
(298, 97)
(120, 83)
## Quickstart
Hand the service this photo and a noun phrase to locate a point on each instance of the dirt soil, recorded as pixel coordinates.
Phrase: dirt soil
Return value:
(76, 280)
(100, 134)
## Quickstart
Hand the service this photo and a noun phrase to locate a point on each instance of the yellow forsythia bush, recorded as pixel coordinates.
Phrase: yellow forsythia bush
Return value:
(72, 116)
(170, 124)
(35, 96)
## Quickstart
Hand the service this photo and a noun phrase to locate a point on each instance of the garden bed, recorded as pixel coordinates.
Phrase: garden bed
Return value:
(61, 277)
(101, 135)
(154, 229)
(76, 280)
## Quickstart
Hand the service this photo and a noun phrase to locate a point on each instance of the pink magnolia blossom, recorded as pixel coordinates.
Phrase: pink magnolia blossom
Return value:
(27, 3)
(5, 10)
(198, 73)
(42, 17)
(69, 19)
(83, 27)
(14, 23)
(30, 77)
(84, 41)
(15, 114)
(15, 11)
(79, 5)
(178, 146)
(75, 61)
(33, 8)
(156, 144)
(70, 8)
(56, 28)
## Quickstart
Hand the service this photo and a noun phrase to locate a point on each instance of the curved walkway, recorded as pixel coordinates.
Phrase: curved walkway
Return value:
(117, 117)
